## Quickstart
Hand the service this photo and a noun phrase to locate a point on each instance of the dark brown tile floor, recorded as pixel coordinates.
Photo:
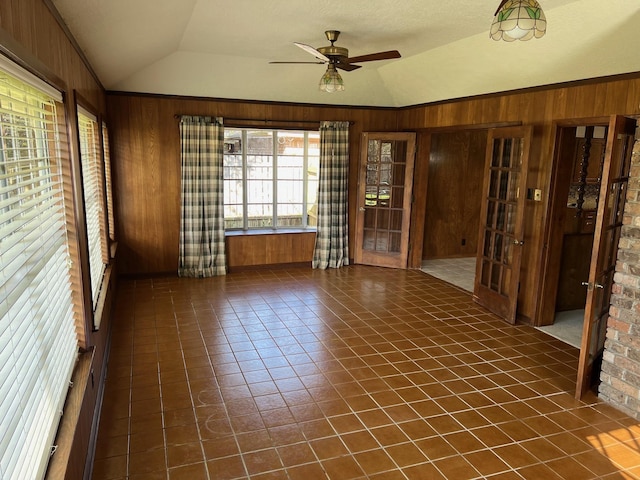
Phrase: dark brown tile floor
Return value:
(354, 373)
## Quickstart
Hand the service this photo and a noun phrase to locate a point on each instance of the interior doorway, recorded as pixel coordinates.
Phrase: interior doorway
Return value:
(580, 160)
(588, 191)
(454, 192)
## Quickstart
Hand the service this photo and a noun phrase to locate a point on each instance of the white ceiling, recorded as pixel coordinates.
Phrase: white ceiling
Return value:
(222, 48)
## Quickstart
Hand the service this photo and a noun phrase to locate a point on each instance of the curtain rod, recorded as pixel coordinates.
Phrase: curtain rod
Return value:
(260, 120)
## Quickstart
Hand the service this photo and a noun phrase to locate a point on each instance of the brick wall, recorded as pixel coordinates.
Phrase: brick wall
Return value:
(620, 377)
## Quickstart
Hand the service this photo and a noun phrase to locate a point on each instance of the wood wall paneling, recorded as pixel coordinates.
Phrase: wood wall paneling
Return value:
(456, 165)
(269, 249)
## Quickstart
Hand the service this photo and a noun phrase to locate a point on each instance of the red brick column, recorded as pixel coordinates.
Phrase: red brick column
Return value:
(620, 377)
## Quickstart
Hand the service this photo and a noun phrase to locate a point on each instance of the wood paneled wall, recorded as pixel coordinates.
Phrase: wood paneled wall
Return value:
(31, 34)
(269, 249)
(146, 170)
(456, 171)
(544, 109)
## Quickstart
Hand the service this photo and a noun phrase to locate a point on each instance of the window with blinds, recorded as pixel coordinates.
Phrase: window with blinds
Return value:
(38, 340)
(93, 190)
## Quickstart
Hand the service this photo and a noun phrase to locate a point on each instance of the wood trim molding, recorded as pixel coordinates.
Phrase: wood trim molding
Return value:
(246, 102)
(458, 128)
(538, 88)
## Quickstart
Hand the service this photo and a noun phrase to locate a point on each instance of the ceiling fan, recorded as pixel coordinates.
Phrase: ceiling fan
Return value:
(339, 56)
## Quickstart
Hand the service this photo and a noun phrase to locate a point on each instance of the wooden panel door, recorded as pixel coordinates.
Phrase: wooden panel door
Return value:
(385, 184)
(613, 190)
(502, 220)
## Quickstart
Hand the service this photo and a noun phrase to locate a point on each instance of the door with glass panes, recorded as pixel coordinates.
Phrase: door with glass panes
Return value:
(608, 228)
(501, 236)
(384, 199)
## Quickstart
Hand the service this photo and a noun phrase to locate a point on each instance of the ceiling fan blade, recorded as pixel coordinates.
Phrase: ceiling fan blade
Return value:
(374, 56)
(312, 51)
(347, 67)
(313, 63)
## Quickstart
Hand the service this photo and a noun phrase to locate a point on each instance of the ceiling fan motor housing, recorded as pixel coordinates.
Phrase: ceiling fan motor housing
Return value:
(332, 50)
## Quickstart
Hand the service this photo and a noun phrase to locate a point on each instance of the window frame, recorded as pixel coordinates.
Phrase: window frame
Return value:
(274, 180)
(93, 170)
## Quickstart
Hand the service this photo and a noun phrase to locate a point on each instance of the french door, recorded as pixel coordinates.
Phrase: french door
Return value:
(385, 184)
(501, 233)
(608, 225)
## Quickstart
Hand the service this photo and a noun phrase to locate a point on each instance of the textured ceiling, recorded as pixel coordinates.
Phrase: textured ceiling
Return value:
(222, 49)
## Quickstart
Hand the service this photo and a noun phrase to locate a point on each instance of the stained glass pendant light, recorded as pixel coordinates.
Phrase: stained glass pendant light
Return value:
(331, 81)
(518, 20)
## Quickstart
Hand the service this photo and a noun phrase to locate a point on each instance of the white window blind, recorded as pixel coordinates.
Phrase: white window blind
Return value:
(92, 185)
(107, 176)
(38, 342)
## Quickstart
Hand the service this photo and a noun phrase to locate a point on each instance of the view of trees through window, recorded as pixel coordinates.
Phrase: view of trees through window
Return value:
(270, 178)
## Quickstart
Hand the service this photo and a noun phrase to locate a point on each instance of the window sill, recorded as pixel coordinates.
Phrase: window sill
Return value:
(240, 233)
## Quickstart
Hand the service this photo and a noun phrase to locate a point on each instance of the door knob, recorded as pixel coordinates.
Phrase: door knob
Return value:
(362, 209)
(518, 242)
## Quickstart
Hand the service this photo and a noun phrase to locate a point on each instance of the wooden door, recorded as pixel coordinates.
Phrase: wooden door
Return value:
(613, 190)
(385, 184)
(501, 233)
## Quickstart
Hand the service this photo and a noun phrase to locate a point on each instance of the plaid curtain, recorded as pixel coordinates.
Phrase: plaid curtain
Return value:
(202, 251)
(332, 238)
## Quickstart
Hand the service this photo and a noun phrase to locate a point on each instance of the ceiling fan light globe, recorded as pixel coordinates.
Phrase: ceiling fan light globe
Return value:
(517, 33)
(519, 20)
(331, 81)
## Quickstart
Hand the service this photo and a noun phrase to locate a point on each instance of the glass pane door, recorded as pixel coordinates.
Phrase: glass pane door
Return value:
(385, 198)
(501, 232)
(613, 190)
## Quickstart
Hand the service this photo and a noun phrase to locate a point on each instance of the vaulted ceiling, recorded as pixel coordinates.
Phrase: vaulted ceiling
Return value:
(222, 49)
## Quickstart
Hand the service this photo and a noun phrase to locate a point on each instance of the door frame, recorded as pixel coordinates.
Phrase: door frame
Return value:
(421, 182)
(547, 283)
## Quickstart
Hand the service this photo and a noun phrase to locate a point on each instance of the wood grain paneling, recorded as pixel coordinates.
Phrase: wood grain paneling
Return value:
(269, 249)
(146, 173)
(456, 165)
(574, 269)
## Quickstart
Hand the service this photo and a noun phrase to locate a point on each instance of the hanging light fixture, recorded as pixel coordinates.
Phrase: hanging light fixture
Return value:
(518, 20)
(331, 81)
